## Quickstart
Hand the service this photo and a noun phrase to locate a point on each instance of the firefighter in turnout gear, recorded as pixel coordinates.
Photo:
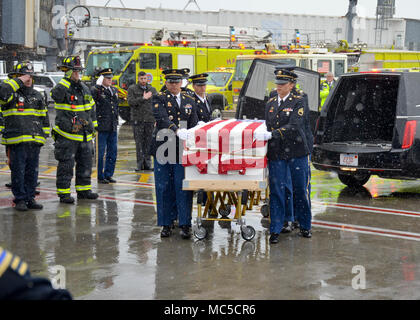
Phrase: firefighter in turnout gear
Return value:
(26, 128)
(74, 129)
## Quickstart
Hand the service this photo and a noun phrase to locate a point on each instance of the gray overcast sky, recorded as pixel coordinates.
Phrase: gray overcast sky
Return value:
(404, 8)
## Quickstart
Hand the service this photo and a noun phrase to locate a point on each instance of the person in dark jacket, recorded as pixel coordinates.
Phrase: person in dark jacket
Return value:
(26, 127)
(139, 98)
(175, 113)
(288, 150)
(16, 282)
(204, 110)
(75, 124)
(290, 222)
(106, 100)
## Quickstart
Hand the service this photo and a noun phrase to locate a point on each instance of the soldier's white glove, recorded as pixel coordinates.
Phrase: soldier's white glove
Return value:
(200, 123)
(182, 134)
(100, 80)
(263, 135)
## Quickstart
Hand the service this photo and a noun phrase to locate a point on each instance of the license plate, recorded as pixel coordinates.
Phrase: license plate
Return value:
(349, 159)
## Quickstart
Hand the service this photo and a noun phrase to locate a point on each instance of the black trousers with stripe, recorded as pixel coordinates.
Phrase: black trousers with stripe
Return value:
(69, 153)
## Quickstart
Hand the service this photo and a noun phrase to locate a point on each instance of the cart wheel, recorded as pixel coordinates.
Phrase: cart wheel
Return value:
(249, 233)
(200, 233)
(265, 210)
(225, 213)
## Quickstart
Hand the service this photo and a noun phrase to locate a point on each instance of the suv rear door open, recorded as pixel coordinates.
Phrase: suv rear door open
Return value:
(368, 125)
(260, 81)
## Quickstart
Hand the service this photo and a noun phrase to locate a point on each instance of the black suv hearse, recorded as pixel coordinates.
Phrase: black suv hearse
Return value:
(368, 126)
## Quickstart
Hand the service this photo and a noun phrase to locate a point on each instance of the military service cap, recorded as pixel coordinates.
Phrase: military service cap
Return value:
(185, 73)
(173, 75)
(284, 76)
(107, 73)
(199, 79)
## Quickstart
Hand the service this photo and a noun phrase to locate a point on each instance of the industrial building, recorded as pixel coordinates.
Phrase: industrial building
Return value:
(44, 35)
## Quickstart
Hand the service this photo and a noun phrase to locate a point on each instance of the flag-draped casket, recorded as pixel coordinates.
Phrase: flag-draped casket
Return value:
(225, 150)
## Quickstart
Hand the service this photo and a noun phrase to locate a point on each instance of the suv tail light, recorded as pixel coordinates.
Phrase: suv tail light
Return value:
(409, 134)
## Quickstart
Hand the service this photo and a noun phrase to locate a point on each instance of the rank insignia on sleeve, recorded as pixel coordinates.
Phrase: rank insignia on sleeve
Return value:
(300, 111)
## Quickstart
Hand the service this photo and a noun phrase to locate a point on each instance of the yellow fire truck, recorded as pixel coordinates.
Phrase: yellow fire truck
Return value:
(318, 61)
(126, 62)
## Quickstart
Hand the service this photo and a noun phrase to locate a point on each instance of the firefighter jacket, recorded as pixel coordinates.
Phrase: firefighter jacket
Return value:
(24, 114)
(287, 124)
(106, 100)
(75, 111)
(141, 109)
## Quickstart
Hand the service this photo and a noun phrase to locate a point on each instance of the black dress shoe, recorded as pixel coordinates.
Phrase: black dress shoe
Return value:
(21, 206)
(110, 180)
(8, 185)
(287, 227)
(66, 198)
(37, 192)
(305, 233)
(166, 232)
(32, 204)
(103, 181)
(274, 238)
(185, 232)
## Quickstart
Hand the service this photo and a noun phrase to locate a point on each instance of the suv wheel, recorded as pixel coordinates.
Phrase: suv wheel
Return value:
(354, 180)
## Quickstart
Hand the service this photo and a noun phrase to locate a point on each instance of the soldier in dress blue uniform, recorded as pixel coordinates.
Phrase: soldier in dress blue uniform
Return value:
(204, 110)
(16, 282)
(175, 112)
(288, 149)
(290, 222)
(106, 100)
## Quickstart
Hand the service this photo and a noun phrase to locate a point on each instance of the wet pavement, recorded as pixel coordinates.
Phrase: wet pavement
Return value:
(111, 248)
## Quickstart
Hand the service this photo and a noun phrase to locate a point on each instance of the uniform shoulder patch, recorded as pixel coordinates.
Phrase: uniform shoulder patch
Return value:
(300, 111)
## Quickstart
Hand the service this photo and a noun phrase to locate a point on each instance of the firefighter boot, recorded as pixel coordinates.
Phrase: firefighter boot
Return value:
(66, 198)
(87, 194)
(32, 204)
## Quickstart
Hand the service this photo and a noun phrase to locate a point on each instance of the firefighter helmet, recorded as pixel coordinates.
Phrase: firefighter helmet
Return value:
(21, 69)
(71, 63)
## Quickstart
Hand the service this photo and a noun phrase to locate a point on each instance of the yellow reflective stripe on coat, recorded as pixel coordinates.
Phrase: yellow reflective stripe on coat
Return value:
(63, 191)
(13, 84)
(65, 83)
(5, 259)
(75, 108)
(83, 188)
(46, 130)
(75, 137)
(23, 138)
(25, 112)
(95, 123)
